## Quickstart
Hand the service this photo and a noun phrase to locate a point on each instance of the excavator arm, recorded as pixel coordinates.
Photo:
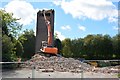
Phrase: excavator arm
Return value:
(49, 48)
(49, 30)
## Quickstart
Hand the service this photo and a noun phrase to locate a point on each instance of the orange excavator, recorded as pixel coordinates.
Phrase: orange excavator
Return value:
(47, 47)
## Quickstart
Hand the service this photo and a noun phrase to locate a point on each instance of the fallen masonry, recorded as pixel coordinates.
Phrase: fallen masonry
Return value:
(55, 63)
(61, 64)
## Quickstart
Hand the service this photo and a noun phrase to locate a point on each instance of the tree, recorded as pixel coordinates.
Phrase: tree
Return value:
(28, 41)
(10, 29)
(58, 44)
(77, 47)
(97, 44)
(8, 49)
(0, 41)
(116, 46)
(67, 48)
(88, 46)
(10, 26)
(93, 47)
(19, 48)
(107, 48)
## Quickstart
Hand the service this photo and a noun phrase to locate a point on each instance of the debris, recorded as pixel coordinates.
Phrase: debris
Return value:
(110, 69)
(62, 64)
(48, 70)
(56, 64)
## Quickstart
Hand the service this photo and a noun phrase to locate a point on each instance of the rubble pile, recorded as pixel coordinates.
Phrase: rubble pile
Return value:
(55, 63)
(111, 69)
(61, 64)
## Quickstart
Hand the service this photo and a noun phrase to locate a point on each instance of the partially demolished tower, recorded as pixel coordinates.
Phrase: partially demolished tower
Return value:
(41, 29)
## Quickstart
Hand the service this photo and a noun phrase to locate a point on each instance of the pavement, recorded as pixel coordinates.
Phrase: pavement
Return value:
(29, 73)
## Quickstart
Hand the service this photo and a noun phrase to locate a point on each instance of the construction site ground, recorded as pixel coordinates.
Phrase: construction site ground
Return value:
(28, 73)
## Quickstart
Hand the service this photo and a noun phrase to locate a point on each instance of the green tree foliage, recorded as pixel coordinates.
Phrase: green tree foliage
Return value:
(0, 43)
(116, 46)
(28, 41)
(88, 45)
(10, 26)
(77, 47)
(58, 43)
(11, 47)
(19, 48)
(92, 47)
(107, 47)
(97, 43)
(8, 53)
(66, 51)
(10, 29)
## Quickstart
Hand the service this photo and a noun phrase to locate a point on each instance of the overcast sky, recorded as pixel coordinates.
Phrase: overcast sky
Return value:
(73, 18)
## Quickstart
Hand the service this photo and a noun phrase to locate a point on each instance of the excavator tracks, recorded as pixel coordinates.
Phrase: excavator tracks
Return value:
(45, 54)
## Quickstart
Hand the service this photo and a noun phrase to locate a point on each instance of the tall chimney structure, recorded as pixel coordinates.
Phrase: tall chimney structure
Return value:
(41, 28)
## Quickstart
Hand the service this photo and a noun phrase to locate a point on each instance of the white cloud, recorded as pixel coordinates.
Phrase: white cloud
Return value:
(92, 9)
(60, 36)
(67, 27)
(22, 9)
(82, 28)
(116, 28)
(56, 2)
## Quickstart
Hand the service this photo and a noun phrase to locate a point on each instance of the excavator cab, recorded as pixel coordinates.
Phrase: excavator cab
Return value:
(48, 49)
(44, 44)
